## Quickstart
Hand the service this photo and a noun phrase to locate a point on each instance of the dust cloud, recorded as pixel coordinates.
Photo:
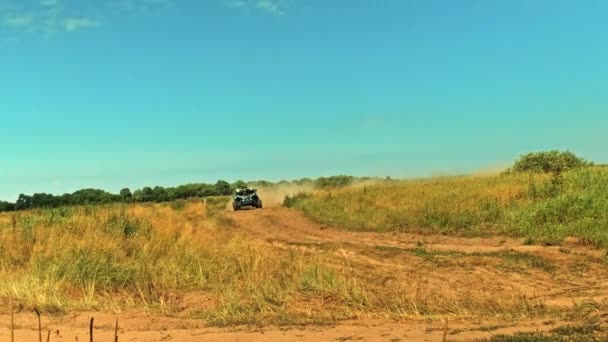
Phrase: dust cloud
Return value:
(274, 195)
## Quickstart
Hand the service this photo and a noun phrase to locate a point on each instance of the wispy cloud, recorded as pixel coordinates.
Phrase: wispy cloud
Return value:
(75, 24)
(49, 3)
(271, 6)
(237, 3)
(274, 7)
(53, 17)
(47, 17)
(138, 5)
(22, 21)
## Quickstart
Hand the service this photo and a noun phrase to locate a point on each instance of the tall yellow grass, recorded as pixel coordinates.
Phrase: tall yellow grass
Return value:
(541, 207)
(188, 259)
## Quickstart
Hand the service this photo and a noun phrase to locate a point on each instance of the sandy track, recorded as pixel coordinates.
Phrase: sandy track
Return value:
(288, 228)
(562, 288)
(135, 327)
(287, 225)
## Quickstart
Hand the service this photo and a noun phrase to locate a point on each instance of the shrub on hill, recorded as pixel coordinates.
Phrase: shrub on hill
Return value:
(334, 181)
(549, 162)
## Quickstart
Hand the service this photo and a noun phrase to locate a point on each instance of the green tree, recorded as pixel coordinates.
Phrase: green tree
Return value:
(334, 181)
(138, 195)
(240, 184)
(549, 162)
(159, 194)
(125, 195)
(222, 188)
(206, 190)
(23, 202)
(6, 206)
(147, 194)
(45, 201)
(91, 196)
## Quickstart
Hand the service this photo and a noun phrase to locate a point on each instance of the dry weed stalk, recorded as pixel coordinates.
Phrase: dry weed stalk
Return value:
(116, 331)
(39, 325)
(91, 330)
(12, 323)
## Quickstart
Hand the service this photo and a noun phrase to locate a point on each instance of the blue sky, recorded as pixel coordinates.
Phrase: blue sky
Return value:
(115, 93)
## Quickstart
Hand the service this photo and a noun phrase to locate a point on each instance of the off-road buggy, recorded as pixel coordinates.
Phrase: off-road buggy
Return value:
(246, 198)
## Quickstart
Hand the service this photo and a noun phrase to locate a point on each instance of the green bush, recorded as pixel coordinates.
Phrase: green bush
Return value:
(549, 162)
(578, 207)
(178, 205)
(290, 201)
(334, 181)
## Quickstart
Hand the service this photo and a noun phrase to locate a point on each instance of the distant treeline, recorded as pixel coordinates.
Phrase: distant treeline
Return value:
(158, 193)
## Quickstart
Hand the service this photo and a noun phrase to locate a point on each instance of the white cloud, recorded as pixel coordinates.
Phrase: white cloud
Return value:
(49, 3)
(138, 5)
(76, 24)
(270, 6)
(237, 4)
(45, 17)
(275, 7)
(51, 17)
(19, 21)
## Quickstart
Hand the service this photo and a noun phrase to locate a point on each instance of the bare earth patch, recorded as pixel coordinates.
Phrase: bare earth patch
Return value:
(138, 327)
(453, 276)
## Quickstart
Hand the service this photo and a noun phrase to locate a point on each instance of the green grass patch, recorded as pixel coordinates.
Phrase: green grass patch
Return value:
(542, 208)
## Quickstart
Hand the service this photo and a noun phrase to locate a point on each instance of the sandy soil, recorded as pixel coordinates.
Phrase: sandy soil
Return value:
(578, 278)
(277, 223)
(580, 275)
(135, 327)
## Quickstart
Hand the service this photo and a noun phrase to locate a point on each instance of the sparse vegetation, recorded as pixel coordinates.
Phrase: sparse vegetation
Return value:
(290, 201)
(543, 208)
(119, 256)
(588, 332)
(158, 256)
(152, 256)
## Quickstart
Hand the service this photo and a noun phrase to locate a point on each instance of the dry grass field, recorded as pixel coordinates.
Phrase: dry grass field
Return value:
(387, 261)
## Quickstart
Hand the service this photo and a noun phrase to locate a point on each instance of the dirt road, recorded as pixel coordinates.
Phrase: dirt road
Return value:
(287, 225)
(577, 277)
(559, 276)
(579, 272)
(138, 327)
